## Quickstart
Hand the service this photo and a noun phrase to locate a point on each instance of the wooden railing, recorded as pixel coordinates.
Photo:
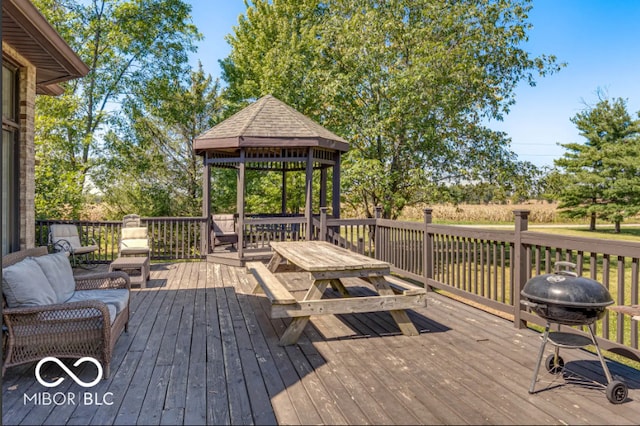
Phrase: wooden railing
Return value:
(177, 237)
(612, 263)
(170, 238)
(353, 234)
(490, 267)
(485, 266)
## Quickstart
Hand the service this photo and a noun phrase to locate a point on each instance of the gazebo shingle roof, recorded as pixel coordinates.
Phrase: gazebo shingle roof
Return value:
(268, 122)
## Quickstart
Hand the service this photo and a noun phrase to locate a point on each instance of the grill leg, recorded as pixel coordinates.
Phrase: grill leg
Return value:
(607, 373)
(545, 337)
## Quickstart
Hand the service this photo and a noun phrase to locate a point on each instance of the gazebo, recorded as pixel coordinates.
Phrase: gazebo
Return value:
(269, 135)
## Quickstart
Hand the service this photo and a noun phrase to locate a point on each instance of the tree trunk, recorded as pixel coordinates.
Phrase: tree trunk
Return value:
(592, 225)
(617, 227)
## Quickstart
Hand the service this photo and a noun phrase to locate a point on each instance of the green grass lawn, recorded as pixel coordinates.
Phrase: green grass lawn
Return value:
(628, 233)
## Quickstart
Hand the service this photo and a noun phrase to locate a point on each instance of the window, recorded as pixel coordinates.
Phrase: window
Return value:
(10, 176)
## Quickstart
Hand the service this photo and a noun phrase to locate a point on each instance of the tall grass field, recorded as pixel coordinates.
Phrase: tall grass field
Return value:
(540, 213)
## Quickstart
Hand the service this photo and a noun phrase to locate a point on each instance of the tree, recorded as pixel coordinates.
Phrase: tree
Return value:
(126, 44)
(408, 82)
(603, 177)
(623, 191)
(152, 168)
(551, 184)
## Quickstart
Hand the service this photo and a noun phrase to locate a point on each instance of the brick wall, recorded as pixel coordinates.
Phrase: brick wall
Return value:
(27, 99)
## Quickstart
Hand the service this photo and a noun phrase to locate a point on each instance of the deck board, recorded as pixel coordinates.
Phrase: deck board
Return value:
(201, 349)
(568, 403)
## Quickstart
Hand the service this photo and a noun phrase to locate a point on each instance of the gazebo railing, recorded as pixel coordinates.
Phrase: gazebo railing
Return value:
(260, 230)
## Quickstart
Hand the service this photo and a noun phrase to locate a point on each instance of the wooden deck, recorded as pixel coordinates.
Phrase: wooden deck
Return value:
(201, 350)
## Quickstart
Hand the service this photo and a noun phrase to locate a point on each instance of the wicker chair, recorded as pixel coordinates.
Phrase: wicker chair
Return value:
(64, 330)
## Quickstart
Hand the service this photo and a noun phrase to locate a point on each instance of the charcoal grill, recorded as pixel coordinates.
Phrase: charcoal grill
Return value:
(567, 299)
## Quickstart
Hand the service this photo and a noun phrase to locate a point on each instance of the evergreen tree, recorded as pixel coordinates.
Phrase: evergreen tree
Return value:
(603, 175)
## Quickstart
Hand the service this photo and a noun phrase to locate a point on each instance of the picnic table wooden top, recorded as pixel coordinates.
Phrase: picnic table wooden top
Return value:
(316, 256)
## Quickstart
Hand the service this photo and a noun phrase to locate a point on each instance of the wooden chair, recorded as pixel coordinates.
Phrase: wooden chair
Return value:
(131, 220)
(134, 241)
(223, 230)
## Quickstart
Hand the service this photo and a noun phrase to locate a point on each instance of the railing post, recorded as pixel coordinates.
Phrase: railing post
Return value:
(323, 224)
(205, 227)
(519, 264)
(376, 233)
(427, 252)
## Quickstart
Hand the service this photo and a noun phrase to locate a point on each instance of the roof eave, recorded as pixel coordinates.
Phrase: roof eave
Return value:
(48, 51)
(49, 89)
(224, 144)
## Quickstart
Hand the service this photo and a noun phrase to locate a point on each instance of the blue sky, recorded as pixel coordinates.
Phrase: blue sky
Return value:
(598, 39)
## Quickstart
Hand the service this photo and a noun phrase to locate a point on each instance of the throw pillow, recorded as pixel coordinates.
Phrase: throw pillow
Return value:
(24, 284)
(57, 269)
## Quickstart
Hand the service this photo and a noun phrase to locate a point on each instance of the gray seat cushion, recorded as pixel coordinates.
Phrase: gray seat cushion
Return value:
(25, 284)
(113, 312)
(57, 269)
(68, 233)
(117, 298)
(134, 241)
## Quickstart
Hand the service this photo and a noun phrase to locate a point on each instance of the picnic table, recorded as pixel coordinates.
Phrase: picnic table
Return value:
(329, 265)
(632, 310)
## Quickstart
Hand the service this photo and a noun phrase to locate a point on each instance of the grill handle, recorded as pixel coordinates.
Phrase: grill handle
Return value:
(532, 304)
(560, 264)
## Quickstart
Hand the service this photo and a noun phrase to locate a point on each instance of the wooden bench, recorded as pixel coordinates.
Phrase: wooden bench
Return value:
(270, 285)
(403, 287)
(633, 310)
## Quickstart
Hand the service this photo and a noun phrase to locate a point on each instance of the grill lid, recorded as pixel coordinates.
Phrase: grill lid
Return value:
(566, 289)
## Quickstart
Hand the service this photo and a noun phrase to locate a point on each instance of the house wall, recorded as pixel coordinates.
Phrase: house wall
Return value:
(26, 169)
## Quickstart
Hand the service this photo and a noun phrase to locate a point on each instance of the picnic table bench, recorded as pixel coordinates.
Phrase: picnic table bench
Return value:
(327, 265)
(632, 310)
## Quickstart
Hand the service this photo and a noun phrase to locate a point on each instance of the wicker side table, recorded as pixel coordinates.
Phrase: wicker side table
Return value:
(133, 265)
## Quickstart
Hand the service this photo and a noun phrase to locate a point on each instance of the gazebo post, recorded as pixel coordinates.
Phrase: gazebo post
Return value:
(240, 191)
(284, 188)
(323, 187)
(309, 190)
(270, 136)
(335, 198)
(206, 205)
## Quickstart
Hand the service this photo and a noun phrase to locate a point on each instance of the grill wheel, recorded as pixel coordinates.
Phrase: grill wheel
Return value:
(617, 392)
(552, 366)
